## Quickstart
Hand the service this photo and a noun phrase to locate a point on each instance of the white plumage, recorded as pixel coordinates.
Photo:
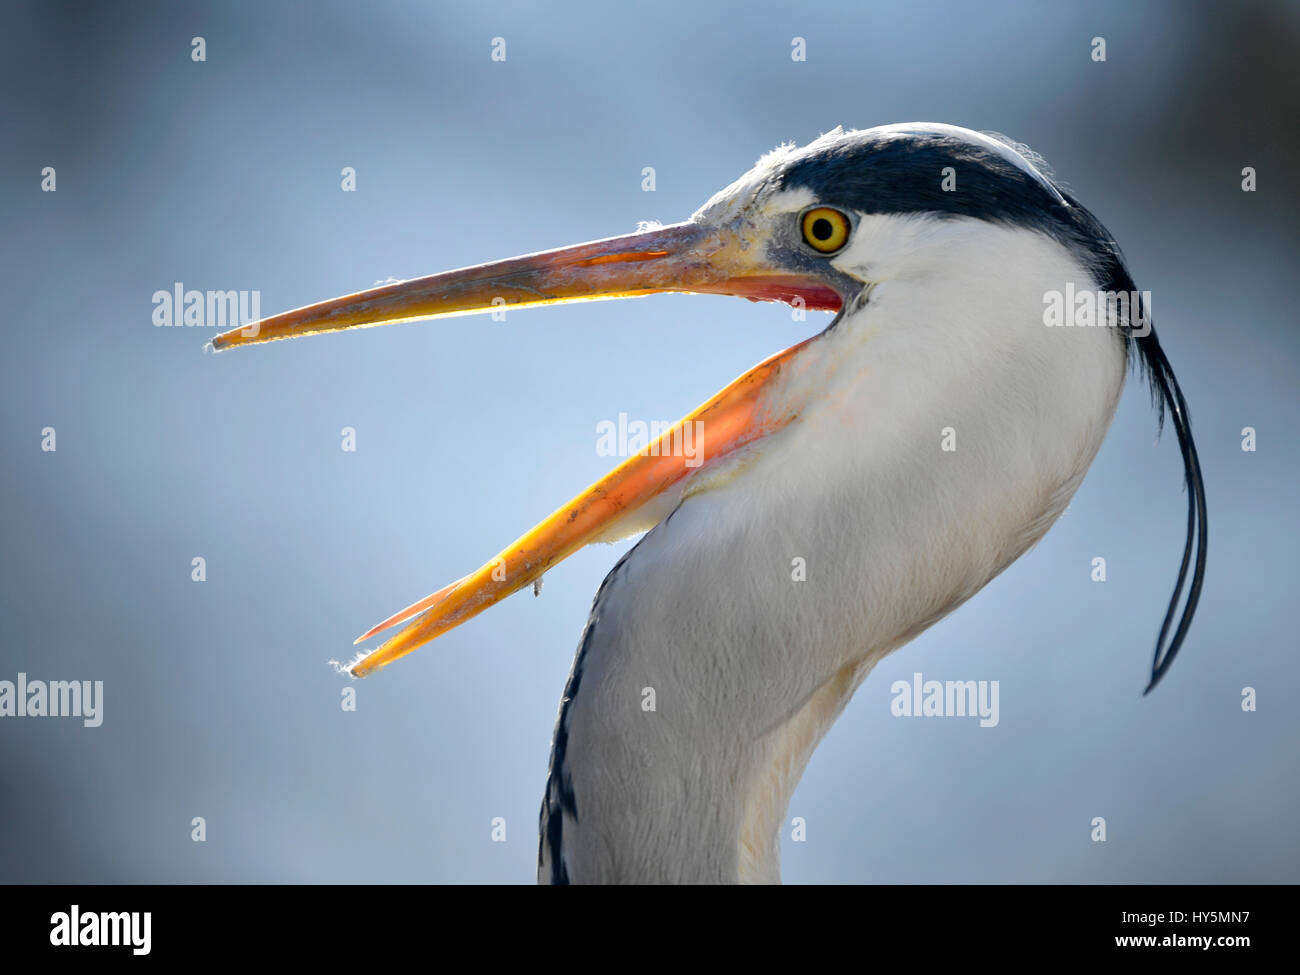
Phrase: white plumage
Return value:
(749, 667)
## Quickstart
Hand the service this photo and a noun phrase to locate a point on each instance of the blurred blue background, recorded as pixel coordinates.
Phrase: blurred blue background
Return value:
(226, 175)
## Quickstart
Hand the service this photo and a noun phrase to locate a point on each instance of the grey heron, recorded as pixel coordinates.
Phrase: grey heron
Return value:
(936, 248)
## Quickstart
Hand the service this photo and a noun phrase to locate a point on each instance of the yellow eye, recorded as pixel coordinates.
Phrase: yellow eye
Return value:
(825, 230)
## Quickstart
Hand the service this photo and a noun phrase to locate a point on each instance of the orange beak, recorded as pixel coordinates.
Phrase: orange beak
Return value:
(682, 257)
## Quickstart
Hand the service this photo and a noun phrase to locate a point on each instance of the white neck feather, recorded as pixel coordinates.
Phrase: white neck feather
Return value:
(749, 667)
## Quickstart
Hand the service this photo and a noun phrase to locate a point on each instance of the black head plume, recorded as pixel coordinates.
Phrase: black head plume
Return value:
(1165, 389)
(885, 171)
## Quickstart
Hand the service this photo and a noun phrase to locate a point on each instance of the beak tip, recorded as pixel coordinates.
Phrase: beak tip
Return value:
(346, 669)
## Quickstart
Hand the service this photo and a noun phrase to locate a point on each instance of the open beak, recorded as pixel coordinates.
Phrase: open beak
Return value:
(682, 257)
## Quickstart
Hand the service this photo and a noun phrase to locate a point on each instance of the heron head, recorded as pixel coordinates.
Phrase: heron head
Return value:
(803, 226)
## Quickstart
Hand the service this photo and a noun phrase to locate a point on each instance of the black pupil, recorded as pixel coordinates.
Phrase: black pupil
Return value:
(822, 229)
